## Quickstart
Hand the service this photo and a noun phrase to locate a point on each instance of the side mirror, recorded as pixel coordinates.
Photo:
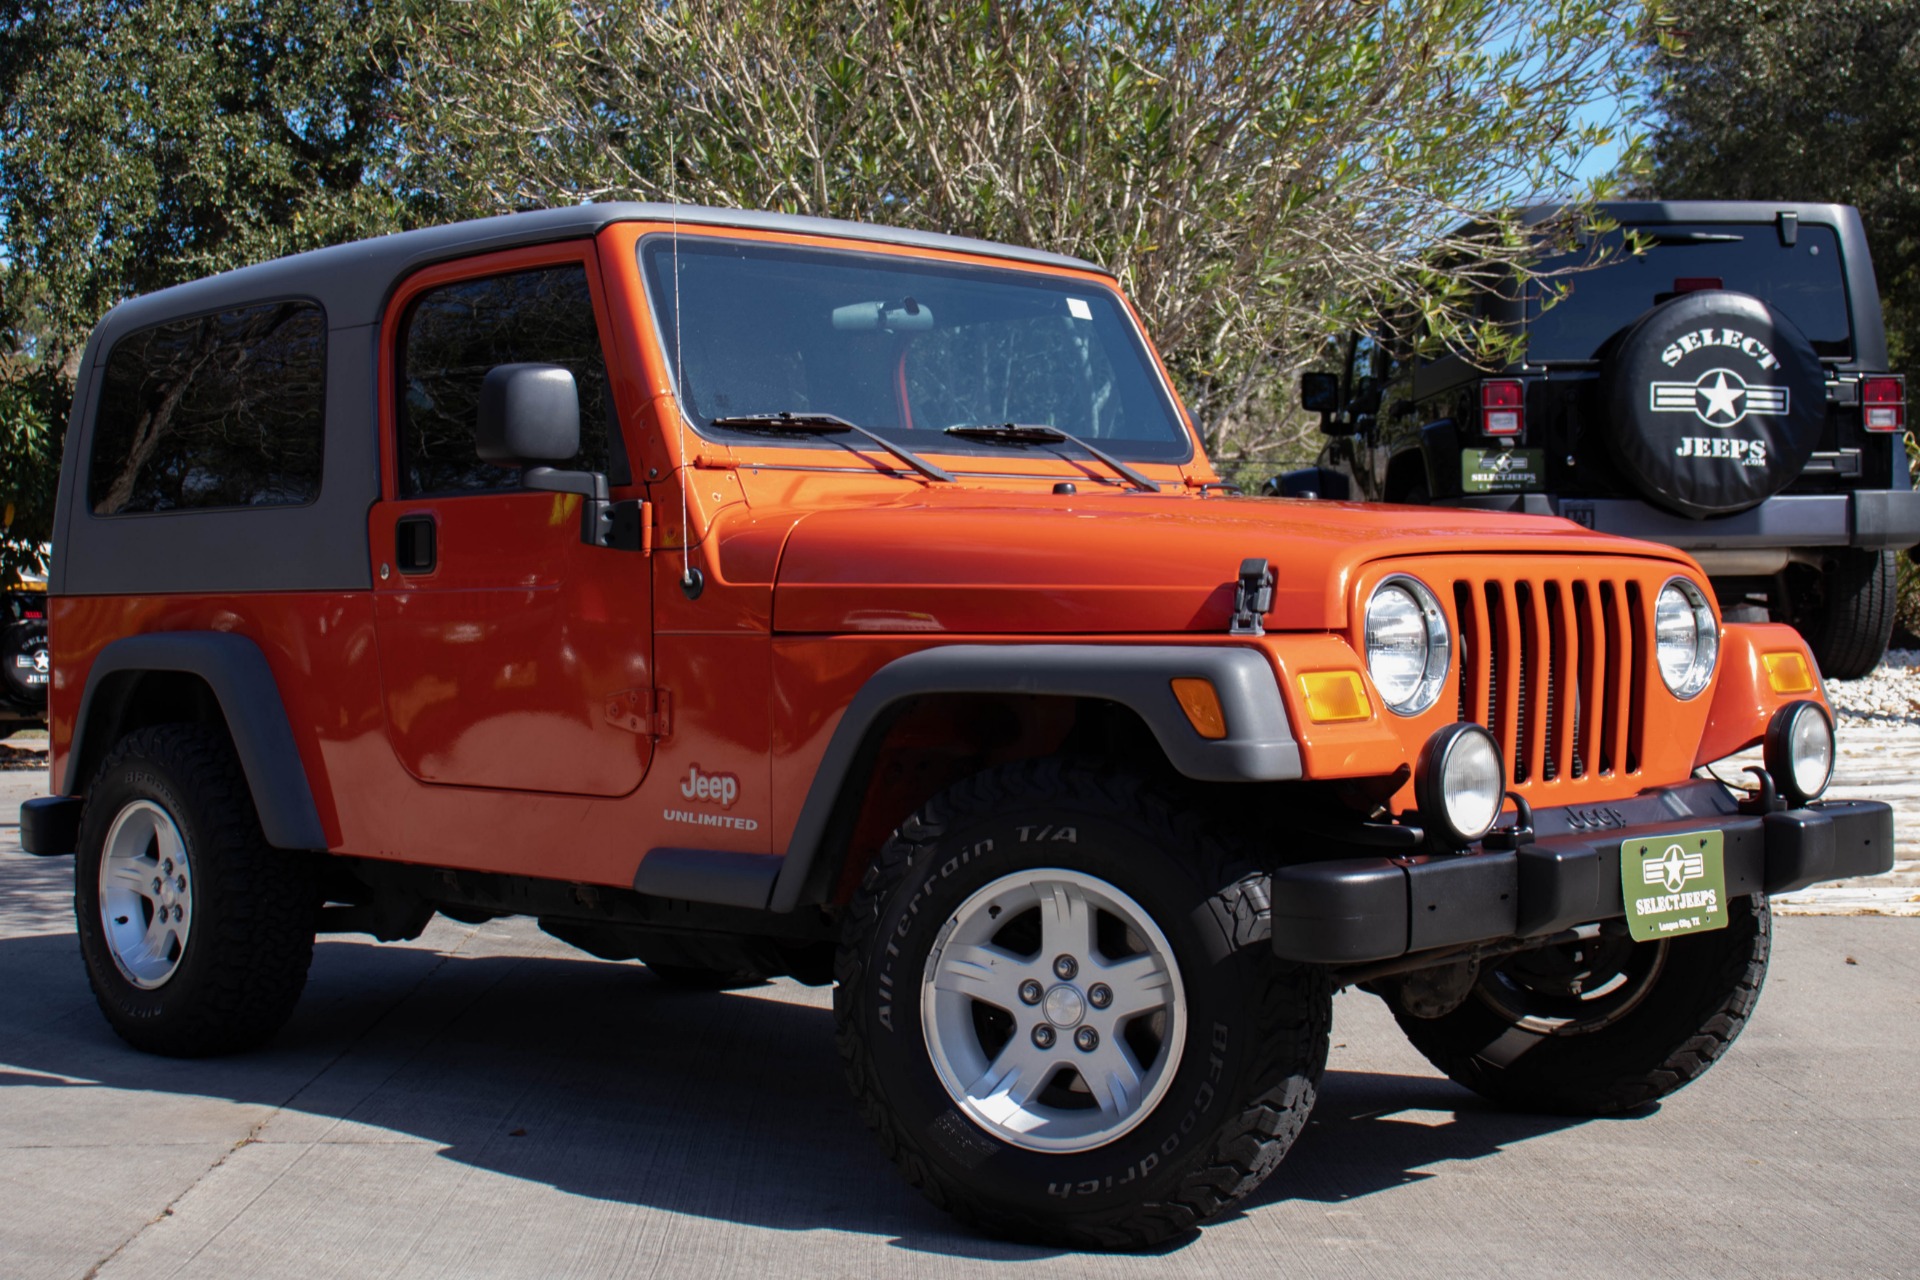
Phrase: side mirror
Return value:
(528, 413)
(1320, 392)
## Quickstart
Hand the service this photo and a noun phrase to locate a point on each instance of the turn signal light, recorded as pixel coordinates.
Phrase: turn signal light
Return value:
(1202, 705)
(1502, 407)
(1886, 403)
(1788, 672)
(1335, 695)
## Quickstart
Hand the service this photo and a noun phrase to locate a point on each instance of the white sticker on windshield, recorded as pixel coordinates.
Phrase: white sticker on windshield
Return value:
(1078, 309)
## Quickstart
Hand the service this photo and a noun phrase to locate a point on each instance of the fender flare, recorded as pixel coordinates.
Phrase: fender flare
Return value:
(1259, 745)
(243, 685)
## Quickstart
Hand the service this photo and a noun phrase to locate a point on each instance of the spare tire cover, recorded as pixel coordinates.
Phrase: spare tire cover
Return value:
(1715, 402)
(24, 663)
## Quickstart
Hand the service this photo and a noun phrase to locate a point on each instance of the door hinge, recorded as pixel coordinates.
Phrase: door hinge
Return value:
(643, 711)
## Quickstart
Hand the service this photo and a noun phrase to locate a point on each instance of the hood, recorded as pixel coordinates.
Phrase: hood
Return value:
(993, 564)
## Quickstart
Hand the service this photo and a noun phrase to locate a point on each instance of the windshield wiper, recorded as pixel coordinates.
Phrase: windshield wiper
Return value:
(1039, 433)
(827, 424)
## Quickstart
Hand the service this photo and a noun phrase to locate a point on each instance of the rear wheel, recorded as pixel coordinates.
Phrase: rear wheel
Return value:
(1602, 1024)
(1846, 612)
(196, 934)
(1059, 1009)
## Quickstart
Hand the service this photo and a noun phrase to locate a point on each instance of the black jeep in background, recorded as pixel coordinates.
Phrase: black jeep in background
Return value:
(1718, 382)
(24, 666)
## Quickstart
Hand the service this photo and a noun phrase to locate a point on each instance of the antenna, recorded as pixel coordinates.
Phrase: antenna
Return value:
(691, 581)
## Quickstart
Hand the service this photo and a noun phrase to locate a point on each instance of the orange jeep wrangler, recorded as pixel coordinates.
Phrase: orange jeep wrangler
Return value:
(753, 595)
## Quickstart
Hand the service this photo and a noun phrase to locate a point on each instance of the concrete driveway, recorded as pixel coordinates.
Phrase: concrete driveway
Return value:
(487, 1102)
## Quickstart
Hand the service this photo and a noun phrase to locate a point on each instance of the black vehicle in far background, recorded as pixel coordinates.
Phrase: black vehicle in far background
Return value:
(1718, 382)
(24, 665)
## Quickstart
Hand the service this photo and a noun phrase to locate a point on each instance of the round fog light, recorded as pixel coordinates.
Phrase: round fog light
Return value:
(1460, 783)
(1799, 751)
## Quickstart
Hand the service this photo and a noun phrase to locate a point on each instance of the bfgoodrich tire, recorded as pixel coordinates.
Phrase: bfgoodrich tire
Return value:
(1605, 1024)
(1059, 1010)
(196, 934)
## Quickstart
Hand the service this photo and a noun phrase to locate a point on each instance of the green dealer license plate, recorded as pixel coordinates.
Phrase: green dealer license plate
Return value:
(1674, 884)
(1503, 470)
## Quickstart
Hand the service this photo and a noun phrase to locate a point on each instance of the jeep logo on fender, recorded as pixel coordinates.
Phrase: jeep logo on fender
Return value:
(721, 788)
(1756, 350)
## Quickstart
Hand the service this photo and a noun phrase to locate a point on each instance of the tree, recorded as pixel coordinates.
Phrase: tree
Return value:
(1781, 100)
(148, 142)
(1258, 175)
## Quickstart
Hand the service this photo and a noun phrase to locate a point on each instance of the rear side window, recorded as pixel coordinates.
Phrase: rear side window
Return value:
(455, 333)
(1805, 281)
(225, 410)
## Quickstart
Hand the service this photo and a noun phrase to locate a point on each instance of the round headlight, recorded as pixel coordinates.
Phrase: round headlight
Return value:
(1799, 751)
(1460, 783)
(1408, 646)
(1685, 640)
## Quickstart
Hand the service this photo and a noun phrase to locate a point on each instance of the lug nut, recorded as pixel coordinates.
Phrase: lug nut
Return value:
(167, 866)
(179, 912)
(1100, 996)
(1030, 991)
(1043, 1036)
(156, 886)
(181, 884)
(1087, 1039)
(1066, 967)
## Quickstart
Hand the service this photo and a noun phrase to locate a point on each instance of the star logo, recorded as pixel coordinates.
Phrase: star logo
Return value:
(1719, 398)
(1674, 868)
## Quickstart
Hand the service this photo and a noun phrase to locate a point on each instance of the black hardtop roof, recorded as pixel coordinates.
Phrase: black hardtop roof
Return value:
(352, 281)
(1640, 212)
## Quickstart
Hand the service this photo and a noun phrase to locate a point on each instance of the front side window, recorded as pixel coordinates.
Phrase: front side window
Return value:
(905, 346)
(454, 334)
(223, 410)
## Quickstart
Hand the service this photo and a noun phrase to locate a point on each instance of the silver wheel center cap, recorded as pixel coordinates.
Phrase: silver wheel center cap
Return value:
(1064, 1006)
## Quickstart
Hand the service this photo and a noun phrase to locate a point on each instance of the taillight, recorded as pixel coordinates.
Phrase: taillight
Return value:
(1502, 411)
(1885, 400)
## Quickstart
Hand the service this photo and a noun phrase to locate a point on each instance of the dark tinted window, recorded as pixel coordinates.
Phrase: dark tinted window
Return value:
(1804, 281)
(906, 346)
(226, 410)
(455, 334)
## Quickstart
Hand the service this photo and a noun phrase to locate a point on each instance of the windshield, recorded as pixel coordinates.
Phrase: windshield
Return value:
(1804, 281)
(904, 346)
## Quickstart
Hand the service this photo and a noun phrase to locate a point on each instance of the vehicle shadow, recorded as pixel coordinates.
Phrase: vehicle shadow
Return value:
(598, 1080)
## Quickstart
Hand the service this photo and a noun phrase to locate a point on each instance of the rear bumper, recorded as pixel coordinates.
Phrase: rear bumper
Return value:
(50, 825)
(1361, 909)
(1873, 519)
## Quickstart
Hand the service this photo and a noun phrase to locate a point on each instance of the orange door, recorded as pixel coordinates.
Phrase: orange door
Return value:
(512, 654)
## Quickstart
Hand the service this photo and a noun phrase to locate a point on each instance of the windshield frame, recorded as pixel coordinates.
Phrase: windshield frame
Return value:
(1176, 452)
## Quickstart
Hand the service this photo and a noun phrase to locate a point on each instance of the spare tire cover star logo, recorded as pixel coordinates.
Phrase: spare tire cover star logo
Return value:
(1719, 398)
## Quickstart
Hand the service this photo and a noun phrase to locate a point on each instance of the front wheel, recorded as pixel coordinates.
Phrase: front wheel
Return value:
(1600, 1024)
(1058, 1008)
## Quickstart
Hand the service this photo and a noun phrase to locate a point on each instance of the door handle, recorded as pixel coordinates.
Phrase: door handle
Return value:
(415, 543)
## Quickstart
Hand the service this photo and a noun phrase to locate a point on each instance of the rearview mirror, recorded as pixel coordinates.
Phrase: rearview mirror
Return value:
(1320, 392)
(905, 316)
(528, 413)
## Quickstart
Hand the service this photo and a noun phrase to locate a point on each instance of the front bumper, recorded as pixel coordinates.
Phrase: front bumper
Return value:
(1369, 908)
